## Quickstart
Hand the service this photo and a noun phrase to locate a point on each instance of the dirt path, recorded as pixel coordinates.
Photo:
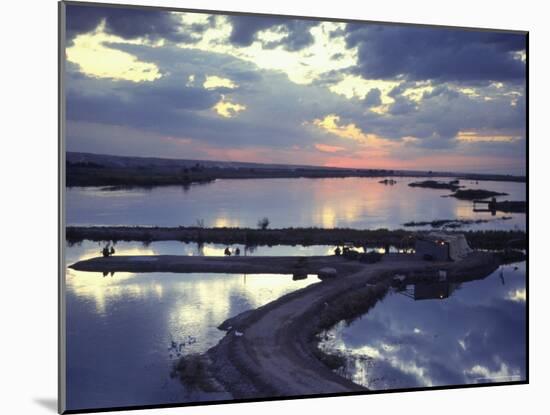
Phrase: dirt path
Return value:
(285, 236)
(271, 351)
(234, 264)
(271, 344)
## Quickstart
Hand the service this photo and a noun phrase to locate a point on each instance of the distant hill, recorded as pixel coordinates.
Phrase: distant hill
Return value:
(88, 169)
(125, 161)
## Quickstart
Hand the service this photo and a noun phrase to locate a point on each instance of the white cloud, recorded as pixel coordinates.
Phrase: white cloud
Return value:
(301, 67)
(215, 82)
(227, 109)
(97, 60)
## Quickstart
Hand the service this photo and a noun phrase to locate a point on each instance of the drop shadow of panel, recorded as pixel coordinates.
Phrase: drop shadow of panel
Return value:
(48, 403)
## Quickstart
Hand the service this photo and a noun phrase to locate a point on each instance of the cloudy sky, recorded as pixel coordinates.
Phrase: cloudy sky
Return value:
(143, 82)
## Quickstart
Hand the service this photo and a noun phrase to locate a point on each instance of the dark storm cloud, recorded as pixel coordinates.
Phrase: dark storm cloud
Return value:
(245, 28)
(279, 113)
(298, 37)
(441, 90)
(139, 106)
(402, 105)
(329, 78)
(387, 52)
(442, 113)
(372, 99)
(130, 23)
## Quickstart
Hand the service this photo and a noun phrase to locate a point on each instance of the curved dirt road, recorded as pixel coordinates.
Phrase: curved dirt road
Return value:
(271, 351)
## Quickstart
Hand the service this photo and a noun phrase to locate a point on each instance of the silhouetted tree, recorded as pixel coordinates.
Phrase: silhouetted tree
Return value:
(263, 223)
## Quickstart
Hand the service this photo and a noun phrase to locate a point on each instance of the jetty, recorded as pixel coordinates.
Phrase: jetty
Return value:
(508, 206)
(299, 265)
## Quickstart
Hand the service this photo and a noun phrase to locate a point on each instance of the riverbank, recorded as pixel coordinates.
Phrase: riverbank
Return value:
(86, 169)
(452, 223)
(272, 351)
(285, 236)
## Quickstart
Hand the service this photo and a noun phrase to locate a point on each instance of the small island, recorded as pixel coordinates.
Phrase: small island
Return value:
(472, 194)
(452, 223)
(433, 184)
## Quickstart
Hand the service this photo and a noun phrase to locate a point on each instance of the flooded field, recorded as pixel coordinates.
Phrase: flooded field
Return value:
(438, 334)
(124, 331)
(361, 203)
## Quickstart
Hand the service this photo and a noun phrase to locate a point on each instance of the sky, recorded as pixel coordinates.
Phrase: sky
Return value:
(147, 82)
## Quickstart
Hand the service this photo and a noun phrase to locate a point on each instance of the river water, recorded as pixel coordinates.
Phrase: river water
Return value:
(124, 331)
(361, 203)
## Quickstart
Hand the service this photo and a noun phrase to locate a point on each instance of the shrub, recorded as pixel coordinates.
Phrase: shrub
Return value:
(263, 223)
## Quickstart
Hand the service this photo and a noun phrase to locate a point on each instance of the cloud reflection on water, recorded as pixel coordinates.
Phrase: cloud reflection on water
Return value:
(120, 327)
(476, 335)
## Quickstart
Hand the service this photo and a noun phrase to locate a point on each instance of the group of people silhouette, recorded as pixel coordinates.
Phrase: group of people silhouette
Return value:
(108, 250)
(227, 251)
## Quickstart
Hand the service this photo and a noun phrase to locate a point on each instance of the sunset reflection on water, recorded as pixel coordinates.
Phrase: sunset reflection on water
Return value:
(361, 203)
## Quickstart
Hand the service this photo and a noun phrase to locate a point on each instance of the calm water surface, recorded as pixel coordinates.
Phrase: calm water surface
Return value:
(88, 249)
(348, 202)
(476, 335)
(120, 328)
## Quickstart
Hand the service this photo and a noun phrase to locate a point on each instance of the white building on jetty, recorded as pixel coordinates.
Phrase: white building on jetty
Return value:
(441, 246)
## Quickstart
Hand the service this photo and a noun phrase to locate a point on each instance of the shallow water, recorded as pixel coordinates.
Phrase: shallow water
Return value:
(120, 328)
(342, 202)
(476, 335)
(89, 249)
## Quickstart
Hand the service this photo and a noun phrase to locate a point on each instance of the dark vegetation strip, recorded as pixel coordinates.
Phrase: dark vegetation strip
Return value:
(452, 223)
(432, 184)
(472, 194)
(90, 173)
(346, 306)
(459, 192)
(489, 239)
(511, 206)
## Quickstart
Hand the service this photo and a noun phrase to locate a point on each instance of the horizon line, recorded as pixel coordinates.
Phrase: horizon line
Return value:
(296, 165)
